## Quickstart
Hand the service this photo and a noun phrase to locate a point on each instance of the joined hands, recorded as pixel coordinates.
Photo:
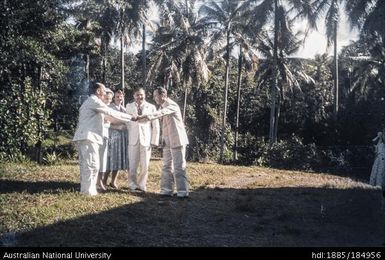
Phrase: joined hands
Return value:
(141, 118)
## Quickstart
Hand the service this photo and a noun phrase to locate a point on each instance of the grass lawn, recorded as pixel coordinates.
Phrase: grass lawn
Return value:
(228, 206)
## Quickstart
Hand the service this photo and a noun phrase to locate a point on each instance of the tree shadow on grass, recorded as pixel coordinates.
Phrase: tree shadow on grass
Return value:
(227, 217)
(54, 187)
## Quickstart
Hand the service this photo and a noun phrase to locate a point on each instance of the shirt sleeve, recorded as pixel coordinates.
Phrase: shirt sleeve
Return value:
(168, 110)
(100, 107)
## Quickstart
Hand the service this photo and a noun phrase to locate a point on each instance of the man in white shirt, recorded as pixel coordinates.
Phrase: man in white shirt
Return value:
(141, 135)
(89, 136)
(174, 139)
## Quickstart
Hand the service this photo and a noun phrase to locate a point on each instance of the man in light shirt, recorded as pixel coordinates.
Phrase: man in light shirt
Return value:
(141, 135)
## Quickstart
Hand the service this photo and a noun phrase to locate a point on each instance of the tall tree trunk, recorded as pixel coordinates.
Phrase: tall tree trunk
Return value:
(221, 159)
(185, 99)
(38, 145)
(335, 73)
(144, 57)
(122, 51)
(104, 62)
(87, 67)
(277, 115)
(272, 136)
(122, 63)
(239, 82)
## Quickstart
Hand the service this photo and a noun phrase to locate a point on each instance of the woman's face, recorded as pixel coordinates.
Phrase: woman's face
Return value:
(118, 98)
(107, 98)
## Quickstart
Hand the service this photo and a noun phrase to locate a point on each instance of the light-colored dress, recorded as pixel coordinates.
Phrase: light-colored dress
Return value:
(103, 149)
(378, 169)
(117, 146)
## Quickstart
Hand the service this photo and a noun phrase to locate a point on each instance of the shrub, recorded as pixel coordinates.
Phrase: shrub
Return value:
(287, 154)
(23, 119)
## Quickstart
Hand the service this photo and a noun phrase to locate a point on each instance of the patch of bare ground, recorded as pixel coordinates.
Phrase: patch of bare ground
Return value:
(228, 206)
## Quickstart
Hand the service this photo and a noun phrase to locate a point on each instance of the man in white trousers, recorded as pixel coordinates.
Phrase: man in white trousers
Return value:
(89, 136)
(174, 141)
(140, 138)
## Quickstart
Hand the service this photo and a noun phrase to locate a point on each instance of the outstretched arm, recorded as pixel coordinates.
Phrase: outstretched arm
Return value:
(170, 109)
(111, 114)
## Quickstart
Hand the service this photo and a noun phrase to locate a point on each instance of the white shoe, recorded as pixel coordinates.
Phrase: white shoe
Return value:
(182, 194)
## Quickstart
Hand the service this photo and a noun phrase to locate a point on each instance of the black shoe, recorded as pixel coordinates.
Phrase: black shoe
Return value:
(115, 187)
(137, 190)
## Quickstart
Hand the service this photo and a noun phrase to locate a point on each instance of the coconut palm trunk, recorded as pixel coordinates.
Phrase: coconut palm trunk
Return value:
(335, 73)
(122, 50)
(221, 159)
(185, 99)
(144, 69)
(273, 119)
(239, 82)
(104, 61)
(87, 67)
(277, 115)
(122, 63)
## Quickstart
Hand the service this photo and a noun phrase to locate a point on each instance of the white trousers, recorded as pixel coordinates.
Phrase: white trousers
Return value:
(103, 155)
(89, 166)
(138, 156)
(174, 171)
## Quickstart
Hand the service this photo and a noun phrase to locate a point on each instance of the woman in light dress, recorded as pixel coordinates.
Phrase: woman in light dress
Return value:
(117, 155)
(377, 177)
(104, 148)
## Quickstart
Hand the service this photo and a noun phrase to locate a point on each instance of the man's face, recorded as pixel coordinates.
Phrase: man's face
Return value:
(101, 92)
(118, 98)
(158, 98)
(139, 96)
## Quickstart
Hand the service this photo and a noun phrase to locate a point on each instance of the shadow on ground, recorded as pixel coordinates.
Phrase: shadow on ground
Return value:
(54, 187)
(223, 217)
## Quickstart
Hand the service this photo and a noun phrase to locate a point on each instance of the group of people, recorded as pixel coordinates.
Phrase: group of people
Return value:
(111, 137)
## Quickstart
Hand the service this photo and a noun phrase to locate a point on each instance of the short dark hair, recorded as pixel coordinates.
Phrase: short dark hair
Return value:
(95, 86)
(138, 89)
(161, 91)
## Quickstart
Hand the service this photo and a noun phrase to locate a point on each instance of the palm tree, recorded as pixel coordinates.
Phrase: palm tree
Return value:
(107, 21)
(287, 72)
(247, 58)
(332, 9)
(179, 48)
(368, 15)
(365, 60)
(261, 12)
(224, 20)
(129, 25)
